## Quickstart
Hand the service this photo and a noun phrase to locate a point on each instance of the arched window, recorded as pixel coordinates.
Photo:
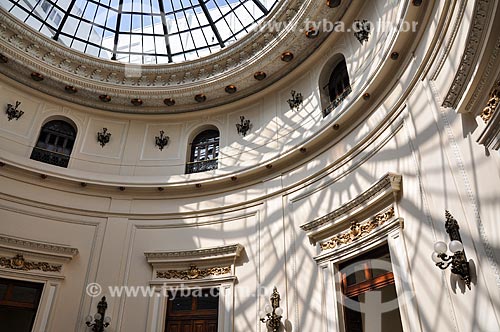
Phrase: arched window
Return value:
(55, 143)
(204, 152)
(338, 86)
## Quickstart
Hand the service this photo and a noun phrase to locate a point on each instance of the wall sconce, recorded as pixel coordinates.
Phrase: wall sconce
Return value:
(13, 112)
(100, 321)
(458, 261)
(244, 126)
(362, 30)
(296, 100)
(103, 137)
(271, 315)
(161, 141)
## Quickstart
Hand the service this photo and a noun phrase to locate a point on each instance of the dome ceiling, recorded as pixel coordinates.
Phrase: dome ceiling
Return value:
(257, 60)
(142, 31)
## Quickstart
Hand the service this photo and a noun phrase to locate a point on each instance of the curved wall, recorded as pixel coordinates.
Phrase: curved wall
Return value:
(403, 129)
(276, 129)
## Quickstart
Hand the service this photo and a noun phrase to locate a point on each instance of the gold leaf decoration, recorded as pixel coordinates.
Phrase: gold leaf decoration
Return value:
(193, 273)
(492, 103)
(357, 230)
(19, 263)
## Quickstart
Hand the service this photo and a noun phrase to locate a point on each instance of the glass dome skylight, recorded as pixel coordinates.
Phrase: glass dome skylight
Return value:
(142, 31)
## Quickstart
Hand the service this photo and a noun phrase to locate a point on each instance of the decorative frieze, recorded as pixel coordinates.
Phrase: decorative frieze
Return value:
(19, 263)
(481, 17)
(39, 248)
(357, 230)
(213, 263)
(193, 273)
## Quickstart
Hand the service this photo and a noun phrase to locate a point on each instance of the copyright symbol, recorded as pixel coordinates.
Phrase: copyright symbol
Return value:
(94, 289)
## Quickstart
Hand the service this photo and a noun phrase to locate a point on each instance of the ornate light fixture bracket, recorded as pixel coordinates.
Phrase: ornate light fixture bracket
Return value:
(244, 126)
(272, 314)
(457, 261)
(362, 30)
(100, 321)
(161, 141)
(103, 137)
(295, 101)
(13, 112)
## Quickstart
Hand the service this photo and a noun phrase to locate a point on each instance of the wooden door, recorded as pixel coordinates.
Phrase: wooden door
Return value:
(193, 313)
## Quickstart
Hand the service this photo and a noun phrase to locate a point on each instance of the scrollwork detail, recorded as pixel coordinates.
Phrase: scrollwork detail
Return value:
(357, 230)
(19, 263)
(193, 273)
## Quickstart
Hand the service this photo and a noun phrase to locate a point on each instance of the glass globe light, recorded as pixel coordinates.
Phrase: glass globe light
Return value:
(107, 319)
(279, 311)
(97, 316)
(268, 309)
(436, 258)
(456, 246)
(262, 314)
(440, 247)
(88, 319)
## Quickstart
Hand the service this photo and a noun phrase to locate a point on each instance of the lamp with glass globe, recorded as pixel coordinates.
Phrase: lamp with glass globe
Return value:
(271, 315)
(100, 321)
(458, 260)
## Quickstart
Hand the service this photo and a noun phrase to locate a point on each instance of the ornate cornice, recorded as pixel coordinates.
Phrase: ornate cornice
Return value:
(41, 248)
(28, 51)
(388, 185)
(193, 273)
(19, 263)
(481, 17)
(357, 230)
(451, 39)
(233, 250)
(491, 67)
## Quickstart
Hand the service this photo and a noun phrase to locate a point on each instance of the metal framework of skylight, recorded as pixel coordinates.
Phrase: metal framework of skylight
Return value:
(142, 31)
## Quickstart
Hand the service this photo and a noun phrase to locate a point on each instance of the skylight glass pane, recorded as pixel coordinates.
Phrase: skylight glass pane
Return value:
(148, 31)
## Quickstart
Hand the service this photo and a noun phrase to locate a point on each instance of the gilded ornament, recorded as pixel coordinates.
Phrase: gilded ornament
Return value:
(19, 263)
(492, 104)
(357, 230)
(193, 273)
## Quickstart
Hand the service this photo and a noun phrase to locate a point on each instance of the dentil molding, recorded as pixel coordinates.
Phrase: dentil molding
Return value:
(213, 263)
(477, 34)
(382, 193)
(37, 248)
